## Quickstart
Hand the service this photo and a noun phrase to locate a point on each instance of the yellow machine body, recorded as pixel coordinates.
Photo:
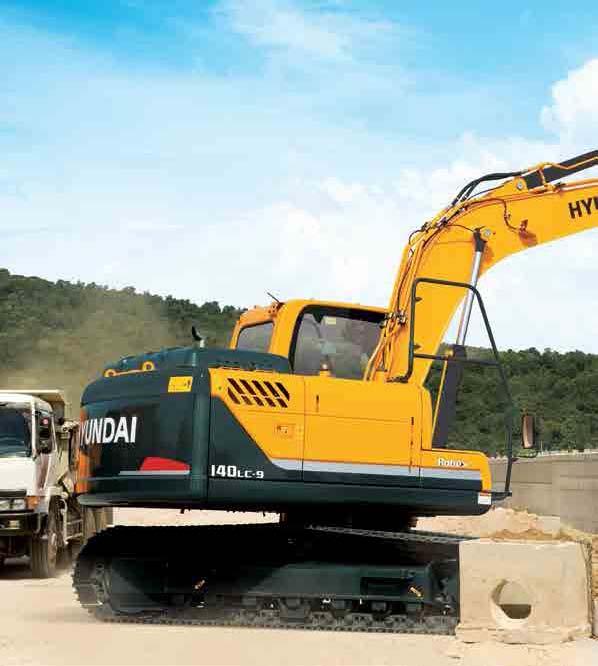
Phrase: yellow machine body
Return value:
(367, 426)
(385, 417)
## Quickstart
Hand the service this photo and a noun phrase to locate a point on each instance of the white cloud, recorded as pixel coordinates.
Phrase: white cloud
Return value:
(573, 114)
(342, 193)
(280, 24)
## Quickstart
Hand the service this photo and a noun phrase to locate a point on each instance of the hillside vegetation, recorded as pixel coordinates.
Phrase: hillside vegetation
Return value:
(61, 334)
(561, 389)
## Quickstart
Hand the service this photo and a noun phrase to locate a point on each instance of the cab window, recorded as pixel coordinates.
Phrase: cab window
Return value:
(256, 338)
(341, 338)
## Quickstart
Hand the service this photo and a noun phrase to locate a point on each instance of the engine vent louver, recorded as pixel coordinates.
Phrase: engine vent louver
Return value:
(257, 392)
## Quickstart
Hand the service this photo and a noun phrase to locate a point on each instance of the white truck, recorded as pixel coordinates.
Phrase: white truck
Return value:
(39, 515)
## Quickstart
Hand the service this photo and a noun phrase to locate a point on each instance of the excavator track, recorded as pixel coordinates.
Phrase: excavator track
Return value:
(272, 576)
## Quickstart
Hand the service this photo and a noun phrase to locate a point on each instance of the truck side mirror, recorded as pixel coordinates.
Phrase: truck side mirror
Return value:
(44, 432)
(528, 431)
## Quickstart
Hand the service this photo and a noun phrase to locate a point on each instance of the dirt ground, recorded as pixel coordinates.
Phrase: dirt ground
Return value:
(41, 624)
(495, 523)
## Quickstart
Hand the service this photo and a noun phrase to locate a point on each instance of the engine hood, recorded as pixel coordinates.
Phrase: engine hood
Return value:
(144, 432)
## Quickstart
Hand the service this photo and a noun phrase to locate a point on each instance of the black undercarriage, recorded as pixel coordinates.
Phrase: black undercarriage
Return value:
(272, 575)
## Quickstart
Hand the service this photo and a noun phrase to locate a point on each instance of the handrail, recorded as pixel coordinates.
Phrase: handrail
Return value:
(413, 354)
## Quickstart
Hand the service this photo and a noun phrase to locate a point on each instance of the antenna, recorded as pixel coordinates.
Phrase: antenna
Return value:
(274, 297)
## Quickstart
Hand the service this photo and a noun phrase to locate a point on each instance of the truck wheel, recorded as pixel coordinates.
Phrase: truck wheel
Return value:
(44, 552)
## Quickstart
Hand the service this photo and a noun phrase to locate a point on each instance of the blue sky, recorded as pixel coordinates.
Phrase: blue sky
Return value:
(435, 51)
(219, 149)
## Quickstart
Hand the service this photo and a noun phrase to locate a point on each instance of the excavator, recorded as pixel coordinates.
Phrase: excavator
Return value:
(318, 412)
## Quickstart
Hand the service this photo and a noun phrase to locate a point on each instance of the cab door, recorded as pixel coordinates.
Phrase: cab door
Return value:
(361, 432)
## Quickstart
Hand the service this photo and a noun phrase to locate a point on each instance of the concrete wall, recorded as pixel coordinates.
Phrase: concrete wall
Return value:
(564, 485)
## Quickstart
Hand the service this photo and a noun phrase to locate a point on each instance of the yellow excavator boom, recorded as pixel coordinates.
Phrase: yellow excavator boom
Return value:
(463, 242)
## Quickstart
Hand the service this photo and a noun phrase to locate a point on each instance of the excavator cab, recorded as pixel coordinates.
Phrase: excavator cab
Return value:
(337, 339)
(359, 432)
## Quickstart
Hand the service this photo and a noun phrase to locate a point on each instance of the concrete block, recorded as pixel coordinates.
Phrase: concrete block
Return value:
(523, 591)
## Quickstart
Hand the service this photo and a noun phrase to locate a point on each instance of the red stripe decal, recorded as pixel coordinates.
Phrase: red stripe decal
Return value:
(155, 464)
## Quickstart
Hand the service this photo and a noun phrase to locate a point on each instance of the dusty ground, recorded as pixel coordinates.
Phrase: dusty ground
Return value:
(41, 624)
(496, 523)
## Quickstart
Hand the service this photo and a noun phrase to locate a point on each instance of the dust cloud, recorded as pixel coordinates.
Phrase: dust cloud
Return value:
(108, 330)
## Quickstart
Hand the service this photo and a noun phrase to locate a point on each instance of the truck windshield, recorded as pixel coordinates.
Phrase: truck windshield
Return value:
(15, 430)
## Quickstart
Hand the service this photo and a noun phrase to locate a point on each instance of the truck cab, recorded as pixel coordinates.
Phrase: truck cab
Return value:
(39, 516)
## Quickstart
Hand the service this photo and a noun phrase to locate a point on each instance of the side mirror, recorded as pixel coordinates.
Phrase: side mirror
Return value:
(44, 432)
(528, 431)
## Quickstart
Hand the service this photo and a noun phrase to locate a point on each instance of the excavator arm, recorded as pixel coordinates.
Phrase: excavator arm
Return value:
(463, 242)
